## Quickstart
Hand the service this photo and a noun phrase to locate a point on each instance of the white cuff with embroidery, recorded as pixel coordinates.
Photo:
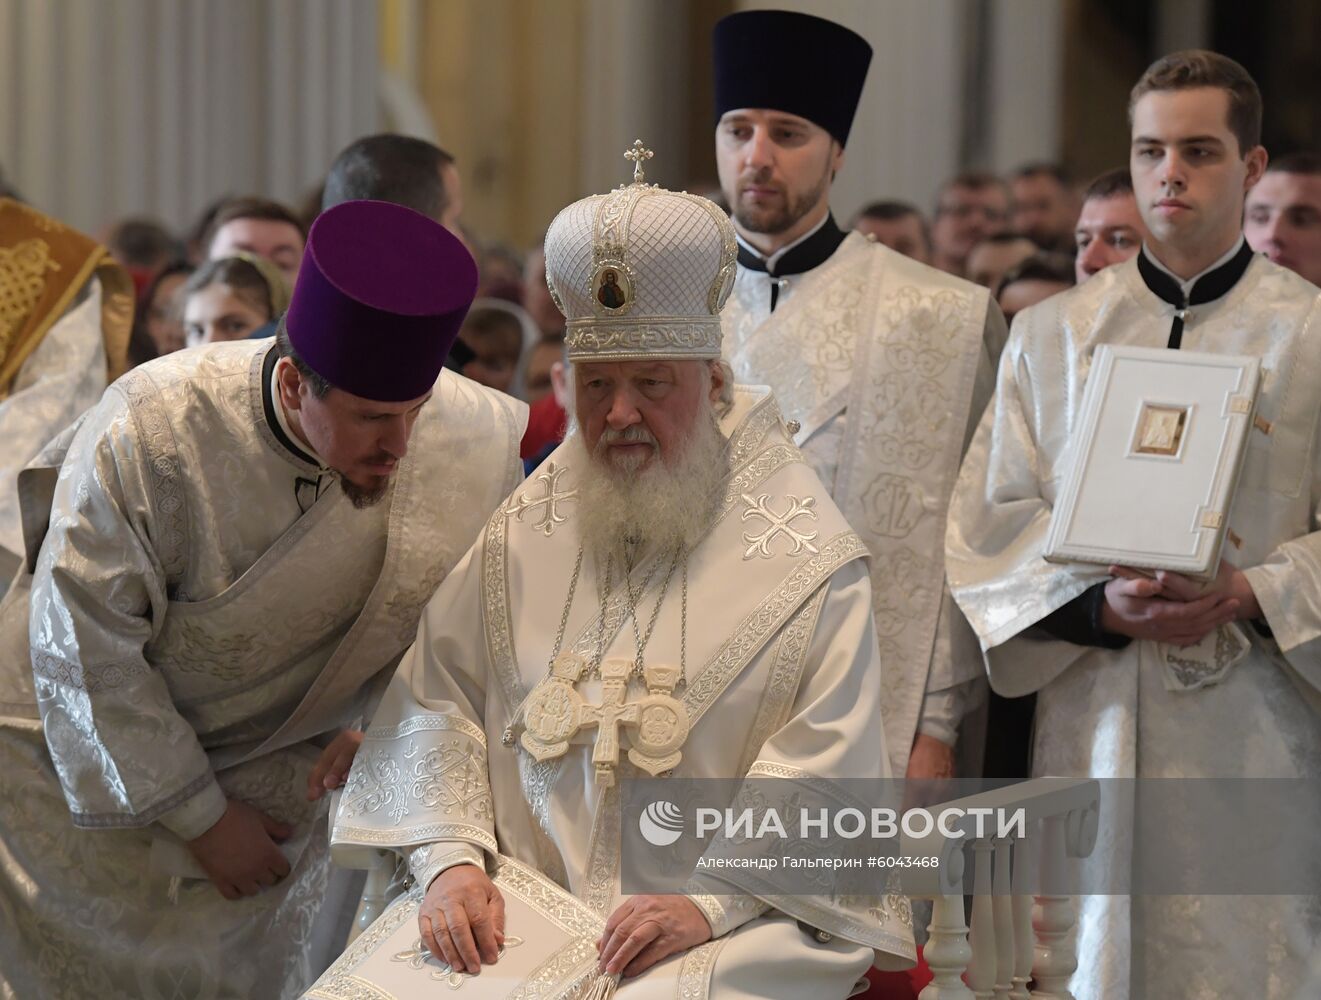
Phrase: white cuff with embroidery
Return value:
(429, 860)
(196, 814)
(724, 911)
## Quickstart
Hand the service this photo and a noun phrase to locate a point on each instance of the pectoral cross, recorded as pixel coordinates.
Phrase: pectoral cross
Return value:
(613, 711)
(637, 154)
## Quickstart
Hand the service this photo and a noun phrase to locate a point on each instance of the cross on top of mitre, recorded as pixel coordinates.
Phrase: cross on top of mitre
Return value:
(637, 153)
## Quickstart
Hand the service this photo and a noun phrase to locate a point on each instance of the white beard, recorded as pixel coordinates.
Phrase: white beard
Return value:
(665, 507)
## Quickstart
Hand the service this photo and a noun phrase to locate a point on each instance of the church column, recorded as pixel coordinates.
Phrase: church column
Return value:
(159, 106)
(634, 86)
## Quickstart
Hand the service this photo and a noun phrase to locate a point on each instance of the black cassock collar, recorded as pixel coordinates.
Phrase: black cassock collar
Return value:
(1209, 287)
(306, 491)
(811, 253)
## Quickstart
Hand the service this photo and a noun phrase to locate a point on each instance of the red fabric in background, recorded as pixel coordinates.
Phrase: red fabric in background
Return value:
(545, 424)
(898, 985)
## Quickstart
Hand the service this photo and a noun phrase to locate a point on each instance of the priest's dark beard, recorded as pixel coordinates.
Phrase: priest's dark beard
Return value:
(668, 506)
(363, 497)
(769, 220)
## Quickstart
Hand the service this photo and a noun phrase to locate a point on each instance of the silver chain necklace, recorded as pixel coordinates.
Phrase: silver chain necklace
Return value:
(640, 639)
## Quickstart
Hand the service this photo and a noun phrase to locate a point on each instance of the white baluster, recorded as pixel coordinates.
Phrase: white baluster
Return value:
(1022, 906)
(1002, 905)
(373, 893)
(1052, 919)
(981, 970)
(947, 951)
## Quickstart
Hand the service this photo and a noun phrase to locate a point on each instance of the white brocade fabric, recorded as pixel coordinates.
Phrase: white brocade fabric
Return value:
(64, 376)
(194, 637)
(780, 650)
(886, 365)
(1108, 713)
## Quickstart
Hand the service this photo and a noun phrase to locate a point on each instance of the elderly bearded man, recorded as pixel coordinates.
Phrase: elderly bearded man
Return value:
(241, 539)
(676, 546)
(884, 364)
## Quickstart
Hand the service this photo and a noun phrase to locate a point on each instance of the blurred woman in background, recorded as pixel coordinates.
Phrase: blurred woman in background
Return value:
(229, 298)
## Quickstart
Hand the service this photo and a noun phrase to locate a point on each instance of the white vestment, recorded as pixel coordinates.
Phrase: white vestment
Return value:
(783, 680)
(64, 376)
(886, 365)
(194, 635)
(1106, 713)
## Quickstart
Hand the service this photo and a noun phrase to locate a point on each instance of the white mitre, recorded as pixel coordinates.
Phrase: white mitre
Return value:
(641, 273)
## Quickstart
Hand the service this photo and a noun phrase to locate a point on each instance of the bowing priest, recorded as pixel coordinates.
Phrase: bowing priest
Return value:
(676, 565)
(1157, 677)
(222, 557)
(68, 309)
(883, 365)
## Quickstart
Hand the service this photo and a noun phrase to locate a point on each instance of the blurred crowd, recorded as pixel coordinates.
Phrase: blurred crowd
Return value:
(1025, 236)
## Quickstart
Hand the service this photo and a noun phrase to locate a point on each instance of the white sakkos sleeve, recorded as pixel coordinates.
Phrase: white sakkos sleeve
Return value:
(1001, 509)
(1288, 588)
(124, 755)
(64, 376)
(420, 777)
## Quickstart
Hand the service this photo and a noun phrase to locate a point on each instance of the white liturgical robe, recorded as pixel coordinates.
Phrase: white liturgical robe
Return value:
(885, 364)
(206, 606)
(783, 679)
(1108, 713)
(60, 379)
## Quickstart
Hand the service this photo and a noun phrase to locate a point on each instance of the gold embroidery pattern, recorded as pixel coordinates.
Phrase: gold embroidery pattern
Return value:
(23, 269)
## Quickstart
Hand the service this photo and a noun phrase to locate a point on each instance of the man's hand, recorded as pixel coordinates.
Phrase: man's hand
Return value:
(931, 759)
(462, 919)
(332, 768)
(1230, 583)
(239, 854)
(1141, 607)
(646, 929)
